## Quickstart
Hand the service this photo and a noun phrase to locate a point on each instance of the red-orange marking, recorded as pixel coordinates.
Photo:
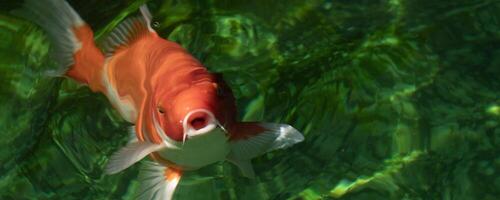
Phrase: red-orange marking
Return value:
(88, 60)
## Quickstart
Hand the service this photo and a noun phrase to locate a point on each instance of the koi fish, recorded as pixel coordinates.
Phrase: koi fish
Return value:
(184, 116)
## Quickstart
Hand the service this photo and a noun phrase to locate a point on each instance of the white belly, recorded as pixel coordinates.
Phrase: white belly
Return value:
(200, 150)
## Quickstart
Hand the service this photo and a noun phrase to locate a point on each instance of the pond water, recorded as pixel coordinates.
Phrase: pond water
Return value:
(397, 99)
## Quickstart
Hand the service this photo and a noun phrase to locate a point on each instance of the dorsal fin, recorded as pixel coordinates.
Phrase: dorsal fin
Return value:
(128, 32)
(147, 16)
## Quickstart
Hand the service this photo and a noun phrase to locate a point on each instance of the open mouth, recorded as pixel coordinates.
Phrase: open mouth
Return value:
(198, 122)
(195, 123)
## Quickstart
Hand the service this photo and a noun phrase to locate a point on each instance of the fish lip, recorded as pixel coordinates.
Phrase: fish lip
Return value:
(172, 144)
(208, 128)
(191, 132)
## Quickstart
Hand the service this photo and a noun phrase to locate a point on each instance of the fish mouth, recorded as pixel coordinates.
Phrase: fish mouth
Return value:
(199, 122)
(196, 123)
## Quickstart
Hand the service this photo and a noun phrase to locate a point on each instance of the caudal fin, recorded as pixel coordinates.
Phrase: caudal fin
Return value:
(72, 40)
(157, 182)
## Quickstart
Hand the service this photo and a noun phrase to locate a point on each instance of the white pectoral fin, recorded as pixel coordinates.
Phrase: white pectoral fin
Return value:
(130, 154)
(157, 182)
(264, 138)
(257, 139)
(286, 135)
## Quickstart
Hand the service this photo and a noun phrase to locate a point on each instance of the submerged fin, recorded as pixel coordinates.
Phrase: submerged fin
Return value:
(58, 19)
(253, 139)
(130, 154)
(249, 140)
(72, 40)
(129, 31)
(157, 182)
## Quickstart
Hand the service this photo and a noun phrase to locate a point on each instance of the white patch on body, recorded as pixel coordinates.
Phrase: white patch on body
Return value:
(200, 150)
(124, 105)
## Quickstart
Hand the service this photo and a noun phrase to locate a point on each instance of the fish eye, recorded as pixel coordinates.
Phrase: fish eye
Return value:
(161, 110)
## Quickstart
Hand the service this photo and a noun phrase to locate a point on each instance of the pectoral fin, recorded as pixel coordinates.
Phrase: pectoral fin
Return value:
(249, 140)
(157, 181)
(130, 154)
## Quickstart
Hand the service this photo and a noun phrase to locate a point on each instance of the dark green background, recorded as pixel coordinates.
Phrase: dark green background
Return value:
(397, 99)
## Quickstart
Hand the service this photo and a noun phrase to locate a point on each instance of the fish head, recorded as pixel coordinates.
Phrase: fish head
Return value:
(199, 109)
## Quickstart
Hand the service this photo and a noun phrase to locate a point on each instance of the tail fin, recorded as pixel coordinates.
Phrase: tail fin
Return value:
(72, 40)
(157, 181)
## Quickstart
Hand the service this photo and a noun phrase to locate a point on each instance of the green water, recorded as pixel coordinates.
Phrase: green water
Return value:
(397, 99)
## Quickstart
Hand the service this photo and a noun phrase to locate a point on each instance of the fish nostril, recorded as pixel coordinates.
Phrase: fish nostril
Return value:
(198, 123)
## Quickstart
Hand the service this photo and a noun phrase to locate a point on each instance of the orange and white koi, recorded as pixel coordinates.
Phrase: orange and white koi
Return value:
(184, 116)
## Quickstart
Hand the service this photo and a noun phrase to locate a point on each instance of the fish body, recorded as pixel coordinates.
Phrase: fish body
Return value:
(184, 116)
